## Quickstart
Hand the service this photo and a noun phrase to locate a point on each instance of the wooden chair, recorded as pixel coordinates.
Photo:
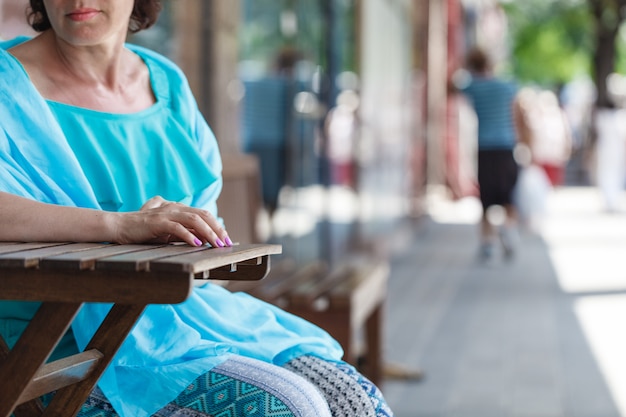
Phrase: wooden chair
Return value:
(64, 276)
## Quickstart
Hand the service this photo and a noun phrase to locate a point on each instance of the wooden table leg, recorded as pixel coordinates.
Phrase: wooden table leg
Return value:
(32, 408)
(36, 343)
(107, 340)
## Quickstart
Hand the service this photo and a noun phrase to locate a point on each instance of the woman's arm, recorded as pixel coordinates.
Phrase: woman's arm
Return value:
(25, 220)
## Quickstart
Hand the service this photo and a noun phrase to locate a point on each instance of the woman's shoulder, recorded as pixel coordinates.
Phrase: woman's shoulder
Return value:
(168, 80)
(10, 43)
(6, 59)
(8, 62)
(167, 65)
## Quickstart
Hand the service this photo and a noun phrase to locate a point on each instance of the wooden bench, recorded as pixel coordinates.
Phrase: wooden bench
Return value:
(64, 276)
(347, 302)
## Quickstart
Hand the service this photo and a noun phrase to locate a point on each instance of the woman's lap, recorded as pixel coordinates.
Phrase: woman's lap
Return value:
(306, 386)
(249, 387)
(346, 390)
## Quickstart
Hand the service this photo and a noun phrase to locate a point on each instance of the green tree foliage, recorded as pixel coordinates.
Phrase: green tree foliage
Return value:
(552, 40)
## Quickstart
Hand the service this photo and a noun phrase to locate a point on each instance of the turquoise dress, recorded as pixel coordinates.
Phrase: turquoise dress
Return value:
(72, 156)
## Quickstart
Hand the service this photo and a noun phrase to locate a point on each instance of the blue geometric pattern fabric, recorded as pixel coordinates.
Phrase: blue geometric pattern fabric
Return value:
(212, 394)
(373, 392)
(228, 397)
(346, 390)
(243, 387)
(239, 387)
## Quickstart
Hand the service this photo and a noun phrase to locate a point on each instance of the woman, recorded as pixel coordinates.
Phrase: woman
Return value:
(105, 143)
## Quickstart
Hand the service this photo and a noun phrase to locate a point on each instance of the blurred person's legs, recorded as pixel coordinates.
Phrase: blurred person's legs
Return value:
(497, 176)
(487, 236)
(508, 231)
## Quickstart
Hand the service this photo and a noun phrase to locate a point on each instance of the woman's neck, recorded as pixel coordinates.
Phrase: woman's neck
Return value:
(105, 77)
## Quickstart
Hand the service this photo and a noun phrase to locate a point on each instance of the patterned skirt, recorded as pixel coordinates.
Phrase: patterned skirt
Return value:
(305, 387)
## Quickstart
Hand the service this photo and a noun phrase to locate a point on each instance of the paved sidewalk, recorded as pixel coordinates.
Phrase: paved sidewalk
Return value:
(543, 335)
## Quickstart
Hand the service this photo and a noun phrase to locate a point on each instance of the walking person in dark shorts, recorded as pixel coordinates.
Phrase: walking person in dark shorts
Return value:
(494, 100)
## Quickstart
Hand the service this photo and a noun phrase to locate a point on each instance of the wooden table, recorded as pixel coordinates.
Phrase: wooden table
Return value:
(63, 276)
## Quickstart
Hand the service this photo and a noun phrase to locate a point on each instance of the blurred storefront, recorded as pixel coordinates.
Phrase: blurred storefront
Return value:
(326, 89)
(285, 66)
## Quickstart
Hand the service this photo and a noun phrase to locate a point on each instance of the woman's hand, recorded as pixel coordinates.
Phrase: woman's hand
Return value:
(164, 221)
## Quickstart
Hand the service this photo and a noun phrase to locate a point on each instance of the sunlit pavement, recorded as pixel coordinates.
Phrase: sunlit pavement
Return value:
(542, 335)
(588, 250)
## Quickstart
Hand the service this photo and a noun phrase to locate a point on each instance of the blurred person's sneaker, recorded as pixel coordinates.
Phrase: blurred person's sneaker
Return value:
(510, 240)
(486, 251)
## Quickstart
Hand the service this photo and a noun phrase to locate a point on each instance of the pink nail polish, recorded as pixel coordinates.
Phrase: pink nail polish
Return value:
(197, 241)
(228, 241)
(219, 243)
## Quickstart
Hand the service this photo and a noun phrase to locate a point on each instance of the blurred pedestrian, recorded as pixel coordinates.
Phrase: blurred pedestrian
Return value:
(493, 100)
(342, 128)
(551, 139)
(539, 154)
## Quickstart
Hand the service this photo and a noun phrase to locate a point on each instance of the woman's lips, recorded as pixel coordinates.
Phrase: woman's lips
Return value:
(82, 15)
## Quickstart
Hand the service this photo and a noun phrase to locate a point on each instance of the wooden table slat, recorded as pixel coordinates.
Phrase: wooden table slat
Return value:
(140, 261)
(29, 258)
(86, 259)
(8, 247)
(195, 262)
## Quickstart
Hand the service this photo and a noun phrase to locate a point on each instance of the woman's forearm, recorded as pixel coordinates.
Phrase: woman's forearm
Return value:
(25, 220)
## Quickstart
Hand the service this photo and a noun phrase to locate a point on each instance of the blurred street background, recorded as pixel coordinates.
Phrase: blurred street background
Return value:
(341, 113)
(537, 336)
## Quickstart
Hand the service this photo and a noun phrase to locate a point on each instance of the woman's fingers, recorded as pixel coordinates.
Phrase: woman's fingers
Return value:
(160, 220)
(205, 227)
(211, 228)
(154, 202)
(185, 235)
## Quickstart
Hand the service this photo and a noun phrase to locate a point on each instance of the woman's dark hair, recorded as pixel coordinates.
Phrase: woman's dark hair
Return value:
(145, 14)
